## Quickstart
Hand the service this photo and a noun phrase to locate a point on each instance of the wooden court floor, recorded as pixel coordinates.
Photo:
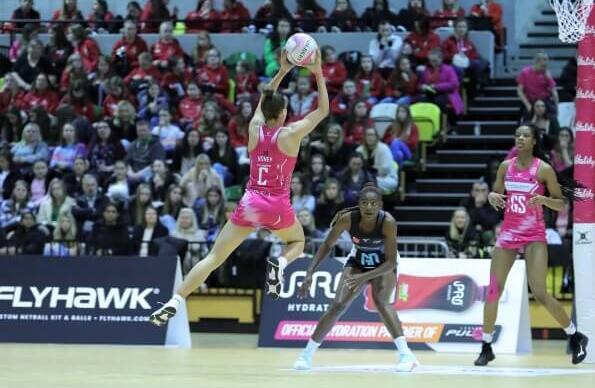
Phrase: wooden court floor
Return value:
(234, 361)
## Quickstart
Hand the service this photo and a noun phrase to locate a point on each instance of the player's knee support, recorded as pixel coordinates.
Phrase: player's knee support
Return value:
(494, 290)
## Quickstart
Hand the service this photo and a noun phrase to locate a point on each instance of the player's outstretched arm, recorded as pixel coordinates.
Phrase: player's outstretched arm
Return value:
(303, 127)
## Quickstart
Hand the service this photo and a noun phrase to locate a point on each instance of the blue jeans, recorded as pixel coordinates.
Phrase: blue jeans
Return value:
(403, 100)
(400, 151)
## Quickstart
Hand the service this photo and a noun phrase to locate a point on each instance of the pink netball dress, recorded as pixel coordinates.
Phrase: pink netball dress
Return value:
(266, 203)
(523, 224)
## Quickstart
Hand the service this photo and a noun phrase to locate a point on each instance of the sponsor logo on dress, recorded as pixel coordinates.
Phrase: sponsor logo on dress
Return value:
(584, 127)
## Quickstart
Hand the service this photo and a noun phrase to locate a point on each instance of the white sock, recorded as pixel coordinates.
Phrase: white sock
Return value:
(571, 329)
(282, 262)
(177, 299)
(487, 337)
(401, 344)
(311, 346)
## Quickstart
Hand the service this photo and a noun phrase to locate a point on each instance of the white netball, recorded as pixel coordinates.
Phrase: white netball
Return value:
(301, 49)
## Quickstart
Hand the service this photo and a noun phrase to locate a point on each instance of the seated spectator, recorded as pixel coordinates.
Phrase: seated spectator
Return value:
(166, 46)
(40, 182)
(161, 179)
(270, 12)
(198, 179)
(273, 45)
(74, 70)
(12, 127)
(69, 149)
(308, 223)
(8, 176)
(57, 50)
(336, 152)
(99, 79)
(100, 19)
(450, 11)
(169, 134)
(568, 80)
(343, 18)
(123, 124)
(154, 12)
(211, 213)
(562, 155)
(369, 82)
(30, 149)
(238, 125)
(439, 84)
(547, 123)
(300, 195)
(28, 67)
(19, 45)
(224, 158)
(187, 152)
(415, 10)
(203, 45)
(126, 50)
(78, 99)
(376, 14)
(303, 101)
(317, 174)
(309, 15)
(386, 48)
(354, 178)
(57, 201)
(402, 136)
(24, 12)
(535, 82)
(85, 46)
(246, 81)
(204, 17)
(209, 123)
(133, 11)
(28, 238)
(141, 76)
(119, 187)
(151, 102)
(63, 242)
(213, 76)
(104, 151)
(88, 205)
(176, 78)
(74, 180)
(110, 234)
(234, 17)
(69, 12)
(138, 203)
(11, 208)
(12, 95)
(145, 233)
(115, 92)
(461, 53)
(328, 203)
(380, 161)
(334, 71)
(420, 41)
(491, 9)
(461, 237)
(172, 206)
(357, 122)
(483, 216)
(41, 95)
(401, 87)
(187, 229)
(343, 102)
(190, 107)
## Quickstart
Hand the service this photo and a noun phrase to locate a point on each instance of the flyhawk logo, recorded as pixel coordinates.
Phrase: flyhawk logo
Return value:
(584, 160)
(77, 297)
(584, 127)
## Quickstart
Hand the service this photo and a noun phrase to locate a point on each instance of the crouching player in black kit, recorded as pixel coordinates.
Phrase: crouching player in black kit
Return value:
(373, 260)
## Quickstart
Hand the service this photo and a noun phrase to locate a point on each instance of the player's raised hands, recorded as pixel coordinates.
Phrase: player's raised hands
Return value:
(316, 66)
(286, 66)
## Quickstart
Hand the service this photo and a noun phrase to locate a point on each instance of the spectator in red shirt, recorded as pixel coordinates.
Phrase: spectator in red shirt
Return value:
(175, 80)
(407, 16)
(246, 81)
(270, 13)
(126, 50)
(41, 95)
(303, 101)
(343, 18)
(155, 12)
(380, 11)
(77, 98)
(491, 9)
(204, 17)
(369, 82)
(166, 47)
(74, 70)
(213, 76)
(461, 53)
(334, 71)
(238, 125)
(99, 20)
(11, 95)
(234, 16)
(450, 10)
(421, 41)
(203, 45)
(309, 15)
(535, 82)
(357, 122)
(70, 12)
(341, 103)
(85, 46)
(190, 107)
(402, 135)
(144, 73)
(401, 87)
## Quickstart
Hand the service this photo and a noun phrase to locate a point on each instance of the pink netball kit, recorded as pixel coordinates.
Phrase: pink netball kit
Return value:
(523, 224)
(266, 203)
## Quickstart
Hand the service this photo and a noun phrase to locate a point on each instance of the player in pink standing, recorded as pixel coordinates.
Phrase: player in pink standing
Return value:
(525, 179)
(273, 150)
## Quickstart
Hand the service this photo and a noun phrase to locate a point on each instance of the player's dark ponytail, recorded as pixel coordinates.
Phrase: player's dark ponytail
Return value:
(272, 104)
(368, 187)
(570, 188)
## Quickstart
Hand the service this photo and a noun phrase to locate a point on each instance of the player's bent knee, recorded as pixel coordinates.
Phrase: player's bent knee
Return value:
(494, 290)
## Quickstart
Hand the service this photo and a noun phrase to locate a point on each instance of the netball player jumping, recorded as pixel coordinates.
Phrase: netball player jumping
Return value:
(525, 179)
(373, 260)
(273, 150)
